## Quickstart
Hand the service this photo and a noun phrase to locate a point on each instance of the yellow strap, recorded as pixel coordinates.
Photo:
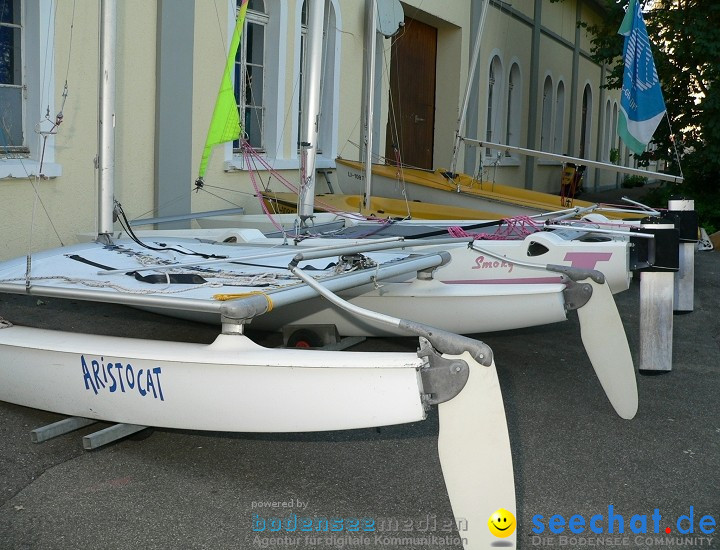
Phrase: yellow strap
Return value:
(225, 297)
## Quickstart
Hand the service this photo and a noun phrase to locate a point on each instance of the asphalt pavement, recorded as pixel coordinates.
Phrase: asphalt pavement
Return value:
(572, 455)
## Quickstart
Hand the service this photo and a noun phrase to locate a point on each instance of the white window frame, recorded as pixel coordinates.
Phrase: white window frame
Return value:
(258, 20)
(274, 92)
(280, 133)
(38, 78)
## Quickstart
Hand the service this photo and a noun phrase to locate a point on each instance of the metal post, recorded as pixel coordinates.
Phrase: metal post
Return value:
(468, 89)
(61, 427)
(110, 435)
(656, 299)
(106, 116)
(656, 321)
(370, 45)
(683, 210)
(311, 106)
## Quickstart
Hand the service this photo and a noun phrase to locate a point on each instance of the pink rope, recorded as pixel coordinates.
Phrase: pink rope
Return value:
(509, 228)
(258, 193)
(253, 159)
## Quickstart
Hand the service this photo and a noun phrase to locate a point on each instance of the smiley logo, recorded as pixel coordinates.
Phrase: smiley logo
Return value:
(501, 523)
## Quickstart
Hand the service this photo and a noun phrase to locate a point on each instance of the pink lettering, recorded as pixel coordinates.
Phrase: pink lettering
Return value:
(480, 263)
(587, 260)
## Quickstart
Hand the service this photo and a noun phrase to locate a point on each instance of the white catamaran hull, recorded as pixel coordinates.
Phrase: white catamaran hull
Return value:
(456, 308)
(274, 285)
(235, 385)
(611, 257)
(468, 267)
(230, 385)
(472, 293)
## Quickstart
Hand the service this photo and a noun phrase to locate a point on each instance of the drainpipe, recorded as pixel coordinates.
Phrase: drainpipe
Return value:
(533, 95)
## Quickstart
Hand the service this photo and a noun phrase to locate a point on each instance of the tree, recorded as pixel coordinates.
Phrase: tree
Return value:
(685, 36)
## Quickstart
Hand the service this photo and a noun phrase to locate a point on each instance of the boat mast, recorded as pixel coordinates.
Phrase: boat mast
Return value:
(468, 88)
(106, 119)
(370, 46)
(311, 107)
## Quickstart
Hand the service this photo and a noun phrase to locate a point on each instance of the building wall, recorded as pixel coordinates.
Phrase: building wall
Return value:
(69, 193)
(70, 200)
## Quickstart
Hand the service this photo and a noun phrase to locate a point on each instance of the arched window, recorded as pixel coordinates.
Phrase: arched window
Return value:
(514, 106)
(494, 117)
(559, 134)
(585, 122)
(250, 74)
(613, 128)
(547, 113)
(606, 132)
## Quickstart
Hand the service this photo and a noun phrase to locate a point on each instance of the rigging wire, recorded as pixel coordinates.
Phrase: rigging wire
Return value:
(221, 34)
(34, 179)
(122, 218)
(674, 144)
(50, 60)
(393, 116)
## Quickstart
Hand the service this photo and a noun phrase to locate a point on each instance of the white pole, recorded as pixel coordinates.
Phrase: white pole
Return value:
(656, 313)
(371, 41)
(311, 106)
(576, 160)
(471, 78)
(684, 288)
(656, 321)
(106, 116)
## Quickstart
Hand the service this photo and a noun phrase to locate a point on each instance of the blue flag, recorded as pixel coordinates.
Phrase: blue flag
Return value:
(641, 103)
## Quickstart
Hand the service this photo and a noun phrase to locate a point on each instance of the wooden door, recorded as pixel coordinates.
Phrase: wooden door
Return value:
(411, 121)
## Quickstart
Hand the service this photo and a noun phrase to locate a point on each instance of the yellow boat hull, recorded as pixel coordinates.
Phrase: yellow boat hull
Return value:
(380, 207)
(437, 187)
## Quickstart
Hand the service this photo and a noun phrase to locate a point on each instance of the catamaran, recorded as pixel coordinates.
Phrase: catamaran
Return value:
(475, 291)
(234, 384)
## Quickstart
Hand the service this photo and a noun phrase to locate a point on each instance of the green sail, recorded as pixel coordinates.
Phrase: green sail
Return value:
(225, 124)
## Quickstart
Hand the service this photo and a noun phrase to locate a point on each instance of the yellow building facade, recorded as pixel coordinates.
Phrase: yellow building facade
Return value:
(535, 86)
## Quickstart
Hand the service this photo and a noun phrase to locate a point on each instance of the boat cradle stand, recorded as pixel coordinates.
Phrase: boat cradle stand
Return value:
(682, 212)
(92, 441)
(657, 276)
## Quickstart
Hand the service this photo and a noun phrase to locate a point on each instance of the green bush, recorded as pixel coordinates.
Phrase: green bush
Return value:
(707, 204)
(634, 181)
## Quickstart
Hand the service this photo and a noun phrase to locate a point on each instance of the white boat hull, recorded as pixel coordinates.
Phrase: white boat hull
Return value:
(230, 385)
(470, 267)
(610, 256)
(455, 308)
(456, 299)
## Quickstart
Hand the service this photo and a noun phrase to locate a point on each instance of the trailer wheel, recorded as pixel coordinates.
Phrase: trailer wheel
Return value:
(304, 339)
